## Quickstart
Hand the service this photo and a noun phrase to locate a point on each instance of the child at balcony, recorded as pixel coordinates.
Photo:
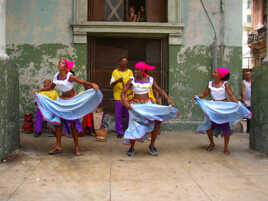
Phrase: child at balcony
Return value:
(132, 17)
(141, 14)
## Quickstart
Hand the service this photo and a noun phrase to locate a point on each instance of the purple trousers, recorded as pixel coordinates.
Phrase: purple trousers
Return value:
(120, 110)
(67, 126)
(38, 121)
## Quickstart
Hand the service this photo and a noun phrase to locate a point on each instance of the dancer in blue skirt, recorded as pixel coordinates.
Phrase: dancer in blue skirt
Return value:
(144, 115)
(70, 107)
(219, 114)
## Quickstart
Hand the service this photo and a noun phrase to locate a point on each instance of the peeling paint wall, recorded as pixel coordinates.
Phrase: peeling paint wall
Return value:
(39, 22)
(39, 34)
(190, 65)
(37, 63)
(259, 102)
(9, 108)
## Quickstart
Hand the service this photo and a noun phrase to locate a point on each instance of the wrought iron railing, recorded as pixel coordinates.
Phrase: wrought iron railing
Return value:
(257, 36)
(251, 62)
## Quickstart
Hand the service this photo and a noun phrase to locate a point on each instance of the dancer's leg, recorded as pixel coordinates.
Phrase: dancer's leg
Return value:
(131, 150)
(211, 140)
(152, 150)
(155, 132)
(58, 147)
(75, 137)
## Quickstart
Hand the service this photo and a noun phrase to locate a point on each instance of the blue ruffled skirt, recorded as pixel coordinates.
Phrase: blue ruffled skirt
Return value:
(219, 115)
(68, 111)
(142, 118)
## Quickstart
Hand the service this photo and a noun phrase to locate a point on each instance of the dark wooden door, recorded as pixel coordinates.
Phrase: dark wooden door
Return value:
(105, 53)
(156, 10)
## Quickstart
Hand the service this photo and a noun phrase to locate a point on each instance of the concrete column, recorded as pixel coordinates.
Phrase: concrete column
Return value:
(259, 108)
(266, 57)
(3, 55)
(9, 94)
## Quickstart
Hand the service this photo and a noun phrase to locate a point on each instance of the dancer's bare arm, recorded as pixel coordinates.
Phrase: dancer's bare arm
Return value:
(124, 95)
(83, 82)
(204, 94)
(230, 93)
(162, 93)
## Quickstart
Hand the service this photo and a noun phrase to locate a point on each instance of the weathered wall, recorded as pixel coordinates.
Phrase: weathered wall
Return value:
(39, 34)
(259, 101)
(9, 108)
(190, 65)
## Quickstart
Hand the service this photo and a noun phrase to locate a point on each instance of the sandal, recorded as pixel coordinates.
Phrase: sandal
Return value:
(77, 152)
(226, 152)
(55, 151)
(210, 147)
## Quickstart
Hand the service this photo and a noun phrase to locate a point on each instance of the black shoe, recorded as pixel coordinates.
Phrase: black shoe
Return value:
(120, 135)
(153, 151)
(131, 152)
(37, 134)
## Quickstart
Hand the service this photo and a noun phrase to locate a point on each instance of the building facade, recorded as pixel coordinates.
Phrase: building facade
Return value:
(258, 44)
(257, 35)
(174, 35)
(247, 23)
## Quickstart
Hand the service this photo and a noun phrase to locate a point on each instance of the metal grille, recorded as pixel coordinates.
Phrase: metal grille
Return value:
(114, 10)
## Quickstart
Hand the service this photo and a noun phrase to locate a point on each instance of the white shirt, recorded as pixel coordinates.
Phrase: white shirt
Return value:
(248, 93)
(142, 87)
(63, 85)
(217, 93)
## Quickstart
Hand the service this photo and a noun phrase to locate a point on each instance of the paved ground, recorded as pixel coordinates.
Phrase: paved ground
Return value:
(183, 171)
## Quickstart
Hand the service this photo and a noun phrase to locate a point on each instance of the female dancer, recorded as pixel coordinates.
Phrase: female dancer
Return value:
(218, 89)
(64, 82)
(145, 116)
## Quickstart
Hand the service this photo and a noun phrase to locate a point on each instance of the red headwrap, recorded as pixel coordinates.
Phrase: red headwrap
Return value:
(69, 64)
(223, 72)
(143, 67)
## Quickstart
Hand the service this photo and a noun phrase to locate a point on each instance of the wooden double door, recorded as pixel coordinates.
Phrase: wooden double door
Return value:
(104, 54)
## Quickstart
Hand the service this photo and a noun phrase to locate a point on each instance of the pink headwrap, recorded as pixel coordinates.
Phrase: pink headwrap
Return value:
(223, 72)
(69, 64)
(143, 67)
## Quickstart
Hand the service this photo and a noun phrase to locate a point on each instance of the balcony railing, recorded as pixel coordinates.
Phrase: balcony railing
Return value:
(251, 62)
(258, 36)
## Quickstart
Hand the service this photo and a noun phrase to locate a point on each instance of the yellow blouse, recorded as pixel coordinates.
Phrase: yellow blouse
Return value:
(118, 88)
(52, 94)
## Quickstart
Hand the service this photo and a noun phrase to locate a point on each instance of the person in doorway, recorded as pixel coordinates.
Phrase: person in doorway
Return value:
(145, 116)
(141, 14)
(219, 114)
(120, 76)
(53, 95)
(132, 16)
(246, 93)
(70, 107)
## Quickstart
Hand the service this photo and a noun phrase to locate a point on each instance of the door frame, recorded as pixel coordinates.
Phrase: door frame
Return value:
(91, 41)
